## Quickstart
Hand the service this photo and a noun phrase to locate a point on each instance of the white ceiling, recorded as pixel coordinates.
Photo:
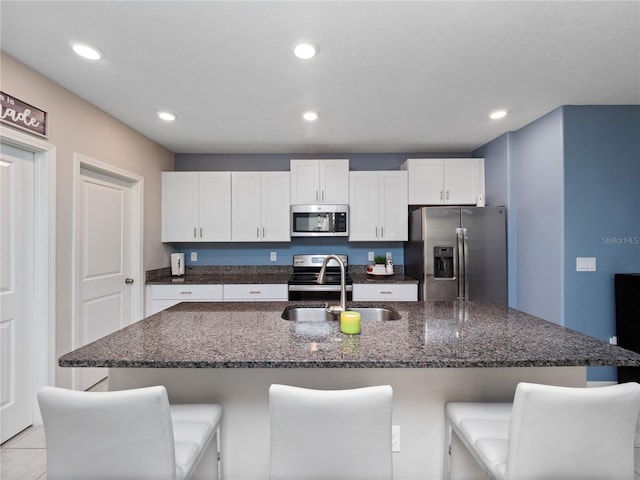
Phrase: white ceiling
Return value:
(390, 76)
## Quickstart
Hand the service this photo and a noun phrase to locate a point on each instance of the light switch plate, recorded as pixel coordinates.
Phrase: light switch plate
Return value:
(585, 264)
(370, 257)
(194, 256)
(274, 256)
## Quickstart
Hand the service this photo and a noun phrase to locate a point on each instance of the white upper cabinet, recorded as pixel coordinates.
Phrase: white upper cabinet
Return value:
(260, 207)
(378, 206)
(319, 181)
(196, 206)
(445, 181)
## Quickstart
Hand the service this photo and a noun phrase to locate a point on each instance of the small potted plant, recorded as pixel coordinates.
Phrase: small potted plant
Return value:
(380, 266)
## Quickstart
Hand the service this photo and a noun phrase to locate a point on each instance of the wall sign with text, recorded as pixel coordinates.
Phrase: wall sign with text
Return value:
(22, 115)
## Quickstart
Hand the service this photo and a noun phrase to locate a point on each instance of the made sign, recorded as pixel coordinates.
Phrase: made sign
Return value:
(22, 115)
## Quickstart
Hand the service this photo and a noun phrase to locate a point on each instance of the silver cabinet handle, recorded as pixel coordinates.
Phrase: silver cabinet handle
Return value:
(128, 281)
(185, 293)
(381, 232)
(255, 292)
(263, 233)
(441, 195)
(376, 232)
(386, 293)
(447, 194)
(257, 232)
(200, 232)
(322, 196)
(194, 232)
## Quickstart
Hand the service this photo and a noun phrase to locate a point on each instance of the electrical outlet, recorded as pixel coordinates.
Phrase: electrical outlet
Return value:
(613, 340)
(395, 438)
(274, 256)
(194, 256)
(370, 257)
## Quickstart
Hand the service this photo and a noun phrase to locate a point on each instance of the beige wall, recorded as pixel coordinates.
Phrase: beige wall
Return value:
(76, 126)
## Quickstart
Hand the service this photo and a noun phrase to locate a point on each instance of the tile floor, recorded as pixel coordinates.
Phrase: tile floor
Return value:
(24, 456)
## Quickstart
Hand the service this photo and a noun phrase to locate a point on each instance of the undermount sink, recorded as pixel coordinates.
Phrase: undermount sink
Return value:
(319, 314)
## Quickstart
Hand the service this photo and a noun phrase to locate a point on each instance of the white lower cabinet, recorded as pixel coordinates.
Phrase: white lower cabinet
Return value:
(256, 292)
(160, 297)
(379, 292)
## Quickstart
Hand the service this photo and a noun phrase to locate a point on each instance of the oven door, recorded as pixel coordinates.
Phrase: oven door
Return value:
(318, 293)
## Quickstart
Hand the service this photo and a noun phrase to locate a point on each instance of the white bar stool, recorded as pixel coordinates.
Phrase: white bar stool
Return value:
(550, 432)
(129, 434)
(330, 434)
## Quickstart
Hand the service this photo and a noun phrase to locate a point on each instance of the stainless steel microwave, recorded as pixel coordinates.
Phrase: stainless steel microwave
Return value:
(319, 220)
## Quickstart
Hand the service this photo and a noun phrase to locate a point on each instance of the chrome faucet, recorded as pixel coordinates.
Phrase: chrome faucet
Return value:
(343, 290)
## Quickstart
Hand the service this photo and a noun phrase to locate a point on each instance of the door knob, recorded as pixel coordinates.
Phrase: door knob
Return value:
(128, 281)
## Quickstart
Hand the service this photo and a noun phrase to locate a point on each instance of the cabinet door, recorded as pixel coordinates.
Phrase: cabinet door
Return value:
(462, 180)
(275, 207)
(363, 206)
(334, 181)
(393, 206)
(305, 181)
(179, 206)
(245, 207)
(215, 207)
(426, 181)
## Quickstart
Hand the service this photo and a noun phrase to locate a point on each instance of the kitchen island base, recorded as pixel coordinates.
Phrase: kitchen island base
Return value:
(418, 406)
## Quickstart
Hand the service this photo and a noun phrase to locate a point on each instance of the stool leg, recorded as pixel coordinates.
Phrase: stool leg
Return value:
(446, 468)
(219, 449)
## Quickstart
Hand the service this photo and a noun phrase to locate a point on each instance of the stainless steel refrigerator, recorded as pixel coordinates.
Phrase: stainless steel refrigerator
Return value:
(458, 253)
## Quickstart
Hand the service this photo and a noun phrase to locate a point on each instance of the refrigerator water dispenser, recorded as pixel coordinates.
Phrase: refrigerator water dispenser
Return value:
(443, 262)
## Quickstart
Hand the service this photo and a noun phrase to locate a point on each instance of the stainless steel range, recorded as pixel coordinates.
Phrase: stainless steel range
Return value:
(303, 284)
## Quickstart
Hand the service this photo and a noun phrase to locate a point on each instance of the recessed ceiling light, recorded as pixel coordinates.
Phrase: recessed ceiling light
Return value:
(305, 51)
(310, 116)
(167, 116)
(87, 52)
(498, 114)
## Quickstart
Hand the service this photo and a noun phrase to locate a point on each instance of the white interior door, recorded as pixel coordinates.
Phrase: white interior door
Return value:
(104, 261)
(16, 290)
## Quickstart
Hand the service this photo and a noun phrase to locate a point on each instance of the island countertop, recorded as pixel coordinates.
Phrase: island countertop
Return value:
(429, 335)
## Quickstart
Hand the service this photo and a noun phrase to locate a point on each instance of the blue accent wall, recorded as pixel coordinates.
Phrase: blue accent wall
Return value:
(602, 213)
(499, 174)
(538, 185)
(259, 253)
(573, 190)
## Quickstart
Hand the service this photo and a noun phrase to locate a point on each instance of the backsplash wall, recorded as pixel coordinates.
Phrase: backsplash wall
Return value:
(260, 253)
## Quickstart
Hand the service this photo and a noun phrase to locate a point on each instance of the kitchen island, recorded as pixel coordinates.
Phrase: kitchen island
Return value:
(229, 353)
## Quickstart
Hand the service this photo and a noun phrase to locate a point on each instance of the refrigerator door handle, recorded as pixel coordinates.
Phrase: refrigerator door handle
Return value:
(461, 264)
(465, 236)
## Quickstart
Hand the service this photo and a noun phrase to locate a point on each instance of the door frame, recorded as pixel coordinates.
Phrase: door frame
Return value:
(44, 293)
(136, 266)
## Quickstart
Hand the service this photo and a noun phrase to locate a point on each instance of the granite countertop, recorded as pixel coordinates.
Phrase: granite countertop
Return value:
(429, 335)
(260, 275)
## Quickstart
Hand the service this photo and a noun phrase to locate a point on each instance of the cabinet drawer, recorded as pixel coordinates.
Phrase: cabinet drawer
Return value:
(256, 292)
(384, 292)
(185, 293)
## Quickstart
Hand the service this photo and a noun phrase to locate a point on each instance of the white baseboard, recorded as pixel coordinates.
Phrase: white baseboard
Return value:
(600, 384)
